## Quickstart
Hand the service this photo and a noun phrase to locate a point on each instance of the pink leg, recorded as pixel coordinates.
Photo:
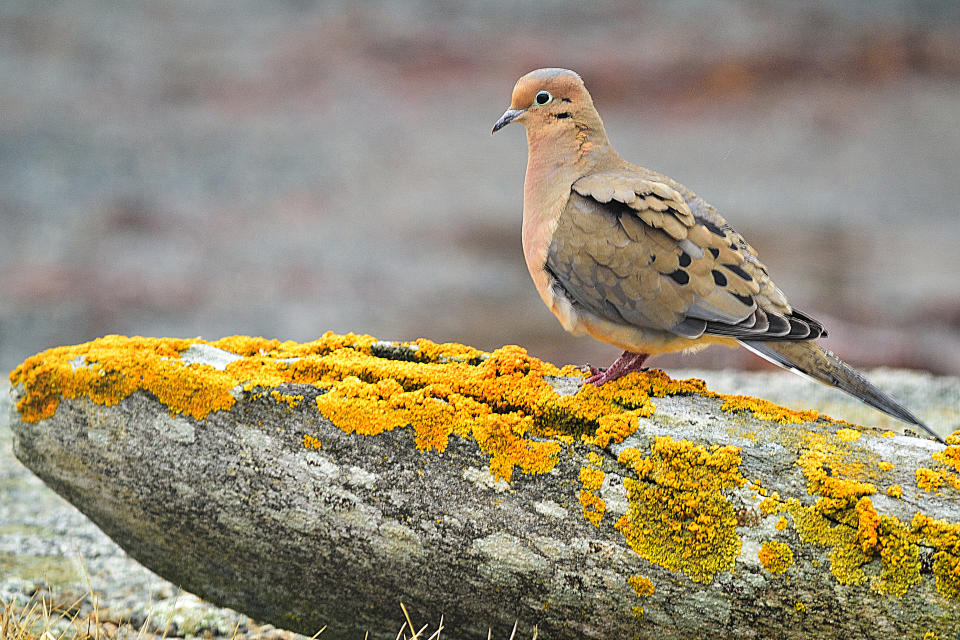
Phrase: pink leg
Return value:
(627, 362)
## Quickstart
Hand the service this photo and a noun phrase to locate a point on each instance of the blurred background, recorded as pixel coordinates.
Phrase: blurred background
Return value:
(189, 168)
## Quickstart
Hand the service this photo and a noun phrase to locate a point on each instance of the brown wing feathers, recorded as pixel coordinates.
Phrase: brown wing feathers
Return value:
(632, 250)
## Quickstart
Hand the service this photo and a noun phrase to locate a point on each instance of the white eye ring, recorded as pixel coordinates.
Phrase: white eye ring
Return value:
(542, 98)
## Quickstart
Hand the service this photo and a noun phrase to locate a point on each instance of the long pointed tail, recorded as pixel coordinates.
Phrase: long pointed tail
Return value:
(811, 360)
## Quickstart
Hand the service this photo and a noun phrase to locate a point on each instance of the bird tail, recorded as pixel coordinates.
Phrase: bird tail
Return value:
(810, 360)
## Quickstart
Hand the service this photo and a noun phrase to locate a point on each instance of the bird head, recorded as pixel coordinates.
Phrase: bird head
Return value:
(549, 99)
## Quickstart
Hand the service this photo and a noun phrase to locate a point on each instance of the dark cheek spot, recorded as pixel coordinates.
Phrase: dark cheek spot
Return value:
(680, 276)
(565, 114)
(719, 278)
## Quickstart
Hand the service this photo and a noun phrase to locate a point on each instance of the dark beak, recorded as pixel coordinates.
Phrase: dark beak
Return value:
(508, 116)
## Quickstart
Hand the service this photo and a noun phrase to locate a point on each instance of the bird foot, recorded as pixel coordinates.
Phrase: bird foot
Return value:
(626, 363)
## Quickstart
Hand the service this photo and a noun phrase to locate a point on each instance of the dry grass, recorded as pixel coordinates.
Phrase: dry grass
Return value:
(44, 617)
(49, 616)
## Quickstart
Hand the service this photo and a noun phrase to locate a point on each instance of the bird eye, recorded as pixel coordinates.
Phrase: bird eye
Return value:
(543, 97)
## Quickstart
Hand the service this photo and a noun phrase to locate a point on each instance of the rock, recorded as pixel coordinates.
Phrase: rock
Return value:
(322, 483)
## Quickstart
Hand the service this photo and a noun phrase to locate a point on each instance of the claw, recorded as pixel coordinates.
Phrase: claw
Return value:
(626, 363)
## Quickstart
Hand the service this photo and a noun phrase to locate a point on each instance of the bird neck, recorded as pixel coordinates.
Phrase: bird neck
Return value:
(576, 146)
(560, 154)
(557, 158)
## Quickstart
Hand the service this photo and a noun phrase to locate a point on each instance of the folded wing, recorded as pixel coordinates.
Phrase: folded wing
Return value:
(635, 248)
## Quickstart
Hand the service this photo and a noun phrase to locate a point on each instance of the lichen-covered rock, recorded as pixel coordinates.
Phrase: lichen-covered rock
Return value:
(321, 483)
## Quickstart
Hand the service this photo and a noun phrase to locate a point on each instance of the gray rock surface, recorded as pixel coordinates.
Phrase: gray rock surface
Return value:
(235, 509)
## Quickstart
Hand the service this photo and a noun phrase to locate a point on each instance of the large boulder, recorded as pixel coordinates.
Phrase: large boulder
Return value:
(321, 483)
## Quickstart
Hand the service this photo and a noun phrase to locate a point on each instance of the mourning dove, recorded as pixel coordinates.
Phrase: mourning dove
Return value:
(637, 260)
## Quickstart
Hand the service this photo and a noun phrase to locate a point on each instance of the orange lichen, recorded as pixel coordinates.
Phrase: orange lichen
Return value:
(290, 401)
(848, 435)
(678, 516)
(770, 505)
(765, 410)
(593, 507)
(591, 479)
(642, 585)
(845, 519)
(500, 399)
(859, 534)
(947, 471)
(776, 557)
(868, 525)
(111, 368)
(928, 479)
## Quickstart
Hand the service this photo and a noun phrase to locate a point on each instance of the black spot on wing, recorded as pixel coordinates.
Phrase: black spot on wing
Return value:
(735, 269)
(684, 259)
(719, 278)
(679, 276)
(712, 228)
(745, 300)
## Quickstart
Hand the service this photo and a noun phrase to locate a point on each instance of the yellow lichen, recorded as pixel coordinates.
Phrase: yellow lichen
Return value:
(770, 505)
(928, 479)
(947, 472)
(848, 435)
(899, 556)
(776, 557)
(642, 585)
(945, 537)
(502, 401)
(592, 479)
(111, 368)
(868, 525)
(594, 507)
(895, 491)
(858, 534)
(765, 410)
(291, 401)
(678, 516)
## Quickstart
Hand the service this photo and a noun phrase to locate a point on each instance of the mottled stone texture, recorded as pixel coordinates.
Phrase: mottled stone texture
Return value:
(236, 509)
